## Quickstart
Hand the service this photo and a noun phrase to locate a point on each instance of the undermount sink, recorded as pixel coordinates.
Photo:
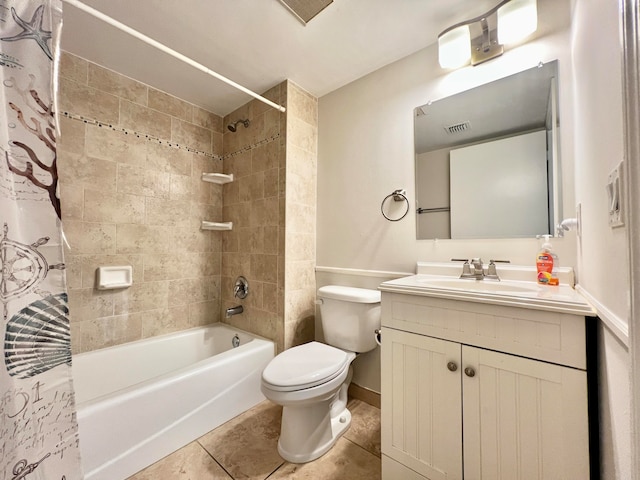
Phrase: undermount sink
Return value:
(492, 286)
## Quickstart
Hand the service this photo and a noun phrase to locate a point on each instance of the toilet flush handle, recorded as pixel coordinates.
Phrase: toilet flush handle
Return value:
(378, 336)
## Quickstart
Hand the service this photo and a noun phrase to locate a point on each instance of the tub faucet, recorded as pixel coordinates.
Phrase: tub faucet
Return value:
(231, 311)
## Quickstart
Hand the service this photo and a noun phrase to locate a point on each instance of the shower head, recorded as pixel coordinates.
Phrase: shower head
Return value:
(233, 126)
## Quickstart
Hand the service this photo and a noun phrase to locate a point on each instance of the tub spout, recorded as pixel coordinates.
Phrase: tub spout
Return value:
(233, 311)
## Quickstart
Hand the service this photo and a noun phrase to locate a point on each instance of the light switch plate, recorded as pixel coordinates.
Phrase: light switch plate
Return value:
(614, 197)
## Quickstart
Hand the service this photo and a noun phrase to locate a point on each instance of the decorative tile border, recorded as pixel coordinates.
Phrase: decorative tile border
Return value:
(152, 138)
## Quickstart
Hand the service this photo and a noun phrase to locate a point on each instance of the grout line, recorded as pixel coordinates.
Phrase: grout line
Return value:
(277, 468)
(214, 459)
(360, 446)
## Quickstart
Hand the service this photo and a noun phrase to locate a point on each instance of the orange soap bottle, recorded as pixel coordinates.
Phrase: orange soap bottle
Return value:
(547, 264)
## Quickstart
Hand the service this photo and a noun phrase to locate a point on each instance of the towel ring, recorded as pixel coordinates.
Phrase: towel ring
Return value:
(398, 196)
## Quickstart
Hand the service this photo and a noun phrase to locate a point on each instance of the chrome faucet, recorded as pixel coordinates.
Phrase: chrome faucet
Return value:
(477, 268)
(474, 269)
(231, 311)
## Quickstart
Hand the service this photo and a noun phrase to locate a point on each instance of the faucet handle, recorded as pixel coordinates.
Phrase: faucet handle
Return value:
(466, 266)
(491, 271)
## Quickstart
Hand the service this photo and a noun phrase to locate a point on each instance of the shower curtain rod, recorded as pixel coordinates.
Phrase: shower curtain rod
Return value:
(150, 41)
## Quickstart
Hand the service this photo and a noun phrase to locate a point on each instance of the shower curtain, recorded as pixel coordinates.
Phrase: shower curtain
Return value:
(38, 429)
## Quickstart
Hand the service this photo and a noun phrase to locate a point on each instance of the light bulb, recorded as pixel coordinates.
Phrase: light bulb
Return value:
(454, 47)
(517, 19)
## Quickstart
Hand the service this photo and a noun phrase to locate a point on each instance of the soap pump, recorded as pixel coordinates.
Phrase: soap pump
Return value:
(547, 263)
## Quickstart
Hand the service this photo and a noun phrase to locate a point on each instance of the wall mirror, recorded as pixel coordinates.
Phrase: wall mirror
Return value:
(487, 159)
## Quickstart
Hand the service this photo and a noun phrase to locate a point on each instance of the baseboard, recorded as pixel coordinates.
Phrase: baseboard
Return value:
(365, 395)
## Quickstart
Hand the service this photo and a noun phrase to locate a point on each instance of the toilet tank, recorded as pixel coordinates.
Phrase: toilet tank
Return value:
(350, 317)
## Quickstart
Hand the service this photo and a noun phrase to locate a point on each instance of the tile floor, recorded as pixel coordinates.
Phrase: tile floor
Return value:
(246, 448)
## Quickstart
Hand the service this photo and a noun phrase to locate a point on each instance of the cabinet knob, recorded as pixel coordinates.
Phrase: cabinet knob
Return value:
(452, 366)
(469, 372)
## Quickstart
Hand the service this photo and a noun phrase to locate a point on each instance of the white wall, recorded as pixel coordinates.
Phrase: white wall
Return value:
(602, 251)
(366, 151)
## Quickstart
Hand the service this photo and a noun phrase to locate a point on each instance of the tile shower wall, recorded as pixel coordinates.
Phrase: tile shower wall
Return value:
(272, 206)
(128, 200)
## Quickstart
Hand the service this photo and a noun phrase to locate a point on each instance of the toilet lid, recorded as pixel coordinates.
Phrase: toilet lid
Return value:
(305, 366)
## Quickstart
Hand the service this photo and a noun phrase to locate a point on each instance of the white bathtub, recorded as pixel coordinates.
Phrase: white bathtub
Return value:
(140, 401)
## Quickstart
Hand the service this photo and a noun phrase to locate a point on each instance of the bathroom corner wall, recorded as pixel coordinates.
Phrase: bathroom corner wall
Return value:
(300, 235)
(131, 200)
(272, 206)
(254, 202)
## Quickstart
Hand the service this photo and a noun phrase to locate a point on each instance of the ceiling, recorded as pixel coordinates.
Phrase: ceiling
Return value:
(257, 43)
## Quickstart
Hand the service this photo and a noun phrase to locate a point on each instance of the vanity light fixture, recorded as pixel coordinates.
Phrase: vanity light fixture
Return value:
(483, 38)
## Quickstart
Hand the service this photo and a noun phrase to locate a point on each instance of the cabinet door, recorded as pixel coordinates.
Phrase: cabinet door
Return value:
(421, 404)
(523, 419)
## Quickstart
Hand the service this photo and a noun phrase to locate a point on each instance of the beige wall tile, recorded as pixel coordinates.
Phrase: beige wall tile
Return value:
(185, 291)
(87, 304)
(164, 158)
(113, 207)
(164, 320)
(142, 181)
(144, 120)
(73, 67)
(164, 267)
(191, 135)
(271, 185)
(90, 238)
(144, 239)
(166, 212)
(301, 219)
(302, 105)
(73, 270)
(87, 172)
(88, 102)
(72, 135)
(71, 201)
(205, 119)
(111, 181)
(108, 144)
(302, 135)
(204, 313)
(116, 84)
(108, 331)
(180, 187)
(141, 297)
(170, 105)
(189, 239)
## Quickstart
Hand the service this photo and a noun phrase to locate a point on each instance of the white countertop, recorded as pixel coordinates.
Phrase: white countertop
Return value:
(508, 292)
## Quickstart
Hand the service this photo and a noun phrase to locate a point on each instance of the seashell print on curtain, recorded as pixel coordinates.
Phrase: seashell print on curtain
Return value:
(38, 429)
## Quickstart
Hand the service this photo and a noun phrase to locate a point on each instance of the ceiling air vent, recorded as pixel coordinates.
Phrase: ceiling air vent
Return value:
(458, 127)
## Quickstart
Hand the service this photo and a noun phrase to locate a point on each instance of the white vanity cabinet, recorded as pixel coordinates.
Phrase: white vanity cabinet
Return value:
(482, 391)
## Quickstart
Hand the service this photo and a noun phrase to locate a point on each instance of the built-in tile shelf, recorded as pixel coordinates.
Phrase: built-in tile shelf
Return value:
(216, 225)
(219, 178)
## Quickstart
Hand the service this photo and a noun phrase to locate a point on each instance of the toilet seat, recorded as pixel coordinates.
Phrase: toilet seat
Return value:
(305, 366)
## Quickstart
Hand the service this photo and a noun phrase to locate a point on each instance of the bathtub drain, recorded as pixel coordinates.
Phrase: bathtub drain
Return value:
(235, 341)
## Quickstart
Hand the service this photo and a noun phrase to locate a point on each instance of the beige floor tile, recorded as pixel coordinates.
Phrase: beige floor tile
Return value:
(246, 446)
(189, 463)
(365, 426)
(345, 460)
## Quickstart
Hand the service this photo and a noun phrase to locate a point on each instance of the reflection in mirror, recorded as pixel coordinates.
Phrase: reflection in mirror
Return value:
(487, 163)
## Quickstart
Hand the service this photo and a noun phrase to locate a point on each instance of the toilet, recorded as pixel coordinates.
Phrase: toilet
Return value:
(310, 381)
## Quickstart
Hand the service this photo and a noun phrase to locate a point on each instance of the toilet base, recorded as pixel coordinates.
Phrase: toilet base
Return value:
(307, 449)
(309, 430)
